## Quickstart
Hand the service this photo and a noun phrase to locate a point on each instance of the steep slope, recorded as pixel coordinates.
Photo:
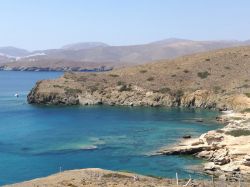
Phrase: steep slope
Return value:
(217, 79)
(85, 55)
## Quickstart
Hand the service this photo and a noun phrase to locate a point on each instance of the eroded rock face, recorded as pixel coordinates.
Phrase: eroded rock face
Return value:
(199, 99)
(51, 98)
(43, 93)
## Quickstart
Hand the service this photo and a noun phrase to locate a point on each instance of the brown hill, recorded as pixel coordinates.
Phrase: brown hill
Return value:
(95, 177)
(214, 79)
(93, 55)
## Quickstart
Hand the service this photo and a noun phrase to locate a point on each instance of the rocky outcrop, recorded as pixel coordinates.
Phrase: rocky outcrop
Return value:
(50, 98)
(199, 99)
(119, 95)
(226, 150)
(60, 94)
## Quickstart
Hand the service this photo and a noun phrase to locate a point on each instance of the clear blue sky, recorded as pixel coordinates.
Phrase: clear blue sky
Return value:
(40, 24)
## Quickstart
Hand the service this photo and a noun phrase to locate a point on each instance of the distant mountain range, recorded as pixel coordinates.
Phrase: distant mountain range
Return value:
(93, 55)
(13, 52)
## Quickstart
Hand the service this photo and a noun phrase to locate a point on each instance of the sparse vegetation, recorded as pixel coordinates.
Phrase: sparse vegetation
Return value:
(92, 88)
(186, 71)
(143, 71)
(72, 91)
(120, 83)
(216, 89)
(113, 75)
(236, 118)
(237, 133)
(58, 86)
(82, 79)
(227, 67)
(247, 94)
(115, 175)
(203, 74)
(244, 86)
(177, 93)
(123, 87)
(164, 90)
(246, 110)
(150, 79)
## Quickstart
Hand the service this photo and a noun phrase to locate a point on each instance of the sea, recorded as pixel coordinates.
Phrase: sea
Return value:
(36, 141)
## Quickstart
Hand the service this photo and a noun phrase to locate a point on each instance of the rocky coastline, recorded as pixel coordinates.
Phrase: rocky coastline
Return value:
(54, 92)
(214, 80)
(226, 150)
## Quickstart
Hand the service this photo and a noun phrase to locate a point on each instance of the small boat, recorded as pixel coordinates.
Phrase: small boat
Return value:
(16, 95)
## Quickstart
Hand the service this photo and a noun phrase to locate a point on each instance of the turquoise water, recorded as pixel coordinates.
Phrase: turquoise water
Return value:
(36, 141)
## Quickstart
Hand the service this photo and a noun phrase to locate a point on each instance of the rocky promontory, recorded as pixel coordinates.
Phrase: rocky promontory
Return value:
(218, 79)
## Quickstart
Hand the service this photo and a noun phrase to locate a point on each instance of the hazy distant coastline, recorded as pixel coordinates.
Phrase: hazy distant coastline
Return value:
(96, 55)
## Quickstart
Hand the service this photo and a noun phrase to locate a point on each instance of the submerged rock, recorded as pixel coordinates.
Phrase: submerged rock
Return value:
(186, 136)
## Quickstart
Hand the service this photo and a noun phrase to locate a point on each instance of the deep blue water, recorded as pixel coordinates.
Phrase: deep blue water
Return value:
(36, 141)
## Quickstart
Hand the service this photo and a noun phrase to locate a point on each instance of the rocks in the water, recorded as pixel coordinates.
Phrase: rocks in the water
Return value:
(200, 120)
(228, 156)
(186, 136)
(185, 150)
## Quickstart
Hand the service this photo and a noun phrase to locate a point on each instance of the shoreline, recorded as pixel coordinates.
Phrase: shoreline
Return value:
(226, 150)
(230, 172)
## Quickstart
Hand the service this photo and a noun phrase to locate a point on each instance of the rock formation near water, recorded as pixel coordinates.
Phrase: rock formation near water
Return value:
(217, 79)
(226, 149)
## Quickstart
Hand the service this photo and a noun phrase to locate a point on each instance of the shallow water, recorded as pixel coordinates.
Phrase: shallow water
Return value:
(36, 141)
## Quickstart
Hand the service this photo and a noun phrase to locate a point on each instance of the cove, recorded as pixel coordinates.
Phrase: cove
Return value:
(36, 141)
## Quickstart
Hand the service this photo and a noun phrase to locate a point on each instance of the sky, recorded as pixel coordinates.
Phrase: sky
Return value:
(43, 24)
